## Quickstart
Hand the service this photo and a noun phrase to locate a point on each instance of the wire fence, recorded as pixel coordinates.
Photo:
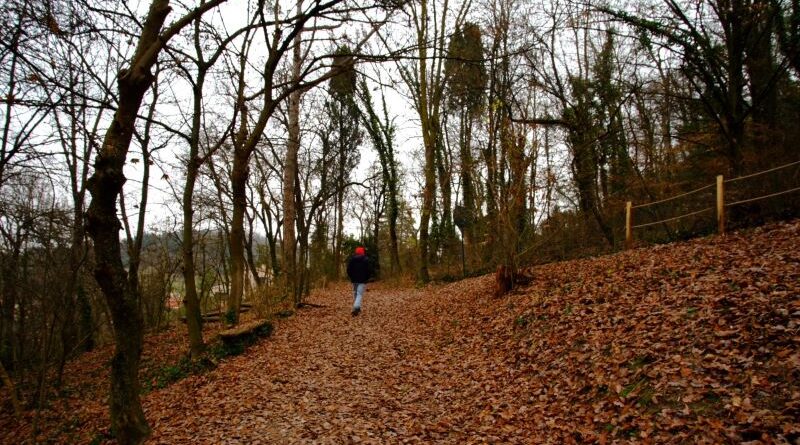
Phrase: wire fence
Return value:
(673, 198)
(744, 200)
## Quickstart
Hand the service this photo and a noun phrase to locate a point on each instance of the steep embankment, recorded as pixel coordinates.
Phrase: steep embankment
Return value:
(696, 342)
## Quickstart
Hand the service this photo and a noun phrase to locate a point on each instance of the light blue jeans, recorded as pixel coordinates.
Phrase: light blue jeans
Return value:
(358, 293)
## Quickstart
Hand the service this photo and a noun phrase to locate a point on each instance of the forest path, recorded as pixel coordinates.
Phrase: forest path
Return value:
(692, 342)
(327, 377)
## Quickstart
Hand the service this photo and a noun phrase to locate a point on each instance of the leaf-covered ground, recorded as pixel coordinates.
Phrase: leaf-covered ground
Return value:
(696, 342)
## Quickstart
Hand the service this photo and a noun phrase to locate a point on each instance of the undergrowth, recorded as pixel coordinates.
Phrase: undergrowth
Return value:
(215, 353)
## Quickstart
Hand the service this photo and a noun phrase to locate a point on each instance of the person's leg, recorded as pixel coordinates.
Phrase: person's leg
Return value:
(355, 298)
(359, 288)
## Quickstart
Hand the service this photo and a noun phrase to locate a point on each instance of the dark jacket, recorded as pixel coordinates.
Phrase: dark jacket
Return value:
(358, 269)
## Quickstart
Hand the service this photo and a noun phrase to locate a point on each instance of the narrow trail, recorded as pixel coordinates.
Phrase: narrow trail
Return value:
(328, 377)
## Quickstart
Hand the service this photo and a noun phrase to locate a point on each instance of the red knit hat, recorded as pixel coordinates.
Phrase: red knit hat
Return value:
(360, 251)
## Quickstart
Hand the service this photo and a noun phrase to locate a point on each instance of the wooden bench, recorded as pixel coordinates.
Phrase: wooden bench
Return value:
(238, 337)
(216, 316)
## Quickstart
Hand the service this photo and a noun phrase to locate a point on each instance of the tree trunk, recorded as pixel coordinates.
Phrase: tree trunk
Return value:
(78, 171)
(194, 320)
(382, 134)
(85, 319)
(74, 289)
(375, 235)
(338, 231)
(243, 146)
(389, 166)
(9, 287)
(394, 212)
(239, 176)
(428, 194)
(303, 275)
(465, 153)
(127, 418)
(735, 108)
(429, 143)
(492, 213)
(447, 233)
(761, 71)
(585, 172)
(289, 176)
(273, 250)
(251, 258)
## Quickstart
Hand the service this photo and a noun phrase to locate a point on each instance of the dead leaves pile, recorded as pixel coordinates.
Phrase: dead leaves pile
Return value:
(78, 413)
(695, 342)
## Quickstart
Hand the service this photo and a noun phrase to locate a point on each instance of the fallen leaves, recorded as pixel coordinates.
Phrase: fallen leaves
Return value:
(691, 342)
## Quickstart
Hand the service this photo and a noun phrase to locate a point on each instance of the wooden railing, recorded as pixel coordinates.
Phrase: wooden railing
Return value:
(720, 206)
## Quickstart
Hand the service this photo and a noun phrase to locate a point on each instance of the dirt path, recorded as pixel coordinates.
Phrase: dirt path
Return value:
(327, 377)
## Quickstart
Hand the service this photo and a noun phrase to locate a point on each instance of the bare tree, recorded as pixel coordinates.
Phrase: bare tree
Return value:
(285, 37)
(202, 143)
(24, 104)
(431, 22)
(726, 47)
(105, 186)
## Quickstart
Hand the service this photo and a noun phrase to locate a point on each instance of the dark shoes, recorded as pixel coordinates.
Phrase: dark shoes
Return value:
(355, 311)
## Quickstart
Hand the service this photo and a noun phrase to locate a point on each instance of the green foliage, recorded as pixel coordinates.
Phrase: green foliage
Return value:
(341, 135)
(464, 69)
(628, 389)
(709, 405)
(85, 314)
(322, 255)
(450, 277)
(172, 373)
(221, 350)
(101, 437)
(343, 85)
(285, 313)
(265, 330)
(630, 433)
(522, 321)
(235, 345)
(646, 395)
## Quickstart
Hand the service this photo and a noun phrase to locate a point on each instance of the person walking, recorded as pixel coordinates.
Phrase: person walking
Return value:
(359, 271)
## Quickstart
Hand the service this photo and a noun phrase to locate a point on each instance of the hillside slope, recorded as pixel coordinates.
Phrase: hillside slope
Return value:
(695, 342)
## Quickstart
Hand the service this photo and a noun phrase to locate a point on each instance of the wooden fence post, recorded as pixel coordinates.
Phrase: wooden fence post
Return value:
(628, 230)
(720, 205)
